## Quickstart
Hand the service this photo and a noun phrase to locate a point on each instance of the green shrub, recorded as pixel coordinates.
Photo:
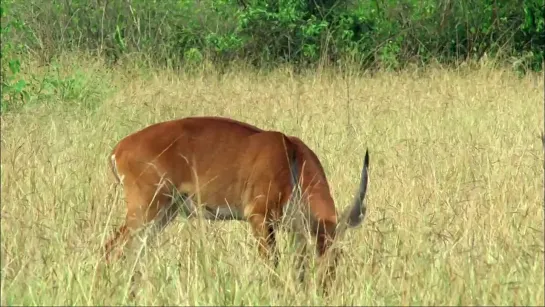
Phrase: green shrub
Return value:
(387, 34)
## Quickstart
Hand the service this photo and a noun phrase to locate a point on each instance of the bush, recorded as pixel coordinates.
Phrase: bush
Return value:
(386, 34)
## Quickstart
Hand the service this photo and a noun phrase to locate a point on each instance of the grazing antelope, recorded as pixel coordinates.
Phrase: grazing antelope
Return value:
(236, 171)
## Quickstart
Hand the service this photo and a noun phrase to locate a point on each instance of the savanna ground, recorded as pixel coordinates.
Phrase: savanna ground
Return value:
(455, 207)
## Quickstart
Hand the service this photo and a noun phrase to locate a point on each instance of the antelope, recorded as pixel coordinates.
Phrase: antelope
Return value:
(223, 169)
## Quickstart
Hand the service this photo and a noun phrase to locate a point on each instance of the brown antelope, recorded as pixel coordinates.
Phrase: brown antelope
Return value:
(236, 171)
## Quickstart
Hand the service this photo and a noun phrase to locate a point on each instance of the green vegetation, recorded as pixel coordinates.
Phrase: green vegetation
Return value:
(269, 32)
(445, 94)
(266, 34)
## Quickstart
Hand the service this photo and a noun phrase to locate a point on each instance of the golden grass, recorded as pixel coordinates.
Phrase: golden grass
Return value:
(455, 198)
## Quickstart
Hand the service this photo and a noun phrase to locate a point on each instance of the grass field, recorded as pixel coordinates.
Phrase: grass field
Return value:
(455, 202)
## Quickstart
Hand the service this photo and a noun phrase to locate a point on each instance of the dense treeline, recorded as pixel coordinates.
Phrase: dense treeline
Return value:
(379, 33)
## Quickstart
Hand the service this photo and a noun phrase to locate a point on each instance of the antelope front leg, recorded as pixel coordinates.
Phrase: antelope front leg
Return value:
(327, 256)
(266, 237)
(301, 257)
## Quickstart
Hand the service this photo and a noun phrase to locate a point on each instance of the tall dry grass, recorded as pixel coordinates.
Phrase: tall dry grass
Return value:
(455, 198)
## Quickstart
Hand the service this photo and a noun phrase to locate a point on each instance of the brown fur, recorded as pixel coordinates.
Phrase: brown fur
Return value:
(220, 163)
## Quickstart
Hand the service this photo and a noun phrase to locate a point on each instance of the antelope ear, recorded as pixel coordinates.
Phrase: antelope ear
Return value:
(357, 212)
